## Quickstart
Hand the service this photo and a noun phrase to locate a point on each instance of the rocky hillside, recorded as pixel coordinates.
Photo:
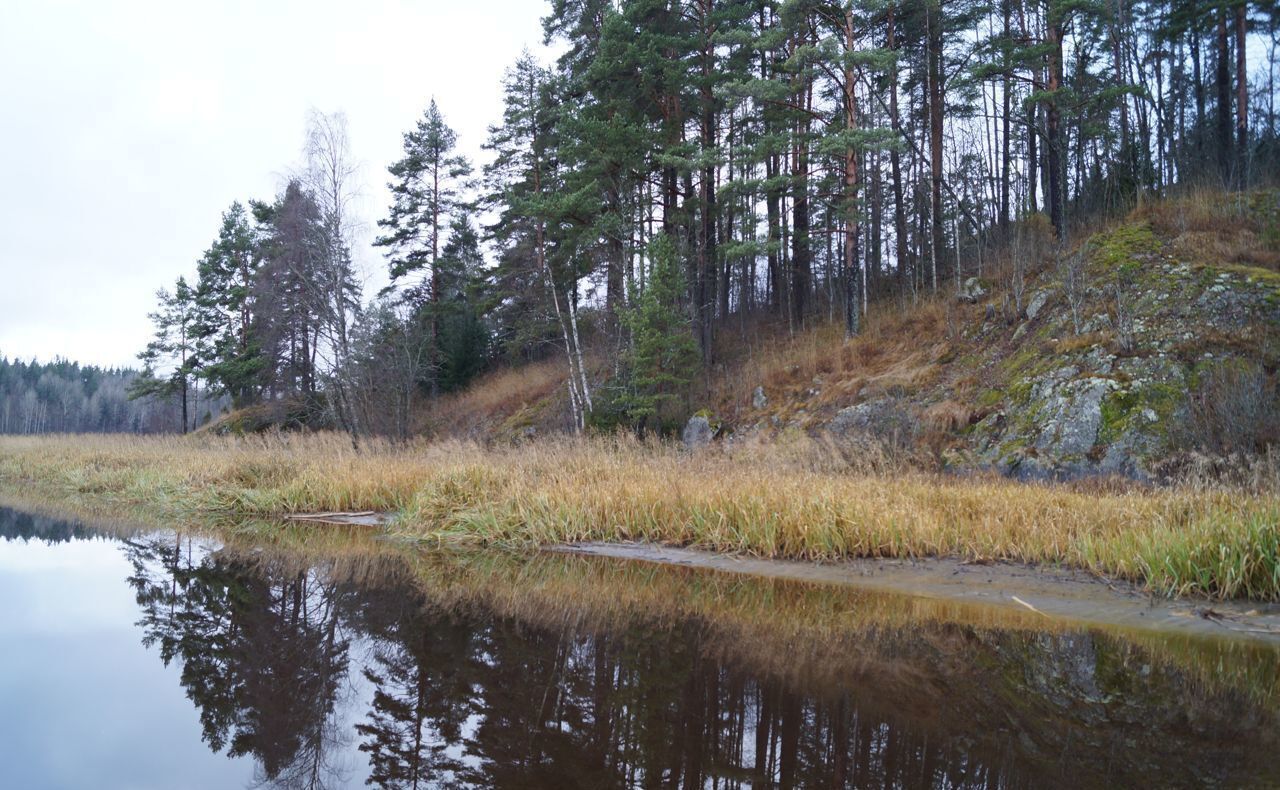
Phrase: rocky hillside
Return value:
(1146, 342)
(1158, 335)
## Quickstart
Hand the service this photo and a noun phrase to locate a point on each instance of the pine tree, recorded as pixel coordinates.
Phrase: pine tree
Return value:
(600, 138)
(226, 299)
(425, 191)
(172, 347)
(842, 56)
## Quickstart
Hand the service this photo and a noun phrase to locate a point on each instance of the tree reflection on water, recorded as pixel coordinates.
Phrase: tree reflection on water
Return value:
(262, 653)
(324, 677)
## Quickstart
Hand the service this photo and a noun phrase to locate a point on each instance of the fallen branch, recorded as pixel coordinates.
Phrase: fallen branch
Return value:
(1227, 622)
(1029, 606)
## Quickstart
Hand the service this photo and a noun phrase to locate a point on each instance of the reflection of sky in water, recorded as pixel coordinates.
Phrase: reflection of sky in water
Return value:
(472, 695)
(84, 704)
(63, 588)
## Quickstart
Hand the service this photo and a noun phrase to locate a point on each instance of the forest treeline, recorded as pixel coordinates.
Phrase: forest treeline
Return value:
(688, 162)
(65, 397)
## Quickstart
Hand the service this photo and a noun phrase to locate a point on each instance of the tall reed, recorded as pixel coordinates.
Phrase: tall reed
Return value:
(767, 500)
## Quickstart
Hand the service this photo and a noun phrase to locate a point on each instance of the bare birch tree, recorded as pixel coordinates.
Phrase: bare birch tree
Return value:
(330, 174)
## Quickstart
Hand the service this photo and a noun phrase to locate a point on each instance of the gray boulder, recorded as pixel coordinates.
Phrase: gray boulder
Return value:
(887, 420)
(758, 399)
(1071, 416)
(1037, 303)
(972, 290)
(697, 432)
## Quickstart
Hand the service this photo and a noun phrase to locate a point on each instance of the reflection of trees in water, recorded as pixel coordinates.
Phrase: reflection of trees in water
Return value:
(546, 707)
(462, 696)
(261, 652)
(661, 705)
(422, 668)
(649, 708)
(20, 525)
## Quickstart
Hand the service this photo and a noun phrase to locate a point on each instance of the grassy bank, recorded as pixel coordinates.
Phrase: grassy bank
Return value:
(779, 500)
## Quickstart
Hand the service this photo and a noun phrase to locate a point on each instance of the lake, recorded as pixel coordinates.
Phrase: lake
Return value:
(318, 657)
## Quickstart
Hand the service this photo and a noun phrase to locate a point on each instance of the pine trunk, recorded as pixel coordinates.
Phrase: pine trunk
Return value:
(935, 134)
(895, 163)
(1053, 133)
(1242, 98)
(1223, 83)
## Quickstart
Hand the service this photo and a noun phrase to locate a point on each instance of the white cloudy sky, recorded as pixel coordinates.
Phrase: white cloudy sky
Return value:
(127, 127)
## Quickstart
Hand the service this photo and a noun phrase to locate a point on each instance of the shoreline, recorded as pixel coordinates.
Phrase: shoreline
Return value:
(1067, 596)
(765, 501)
(1064, 597)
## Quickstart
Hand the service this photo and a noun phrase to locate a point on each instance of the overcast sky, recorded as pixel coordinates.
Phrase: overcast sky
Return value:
(126, 128)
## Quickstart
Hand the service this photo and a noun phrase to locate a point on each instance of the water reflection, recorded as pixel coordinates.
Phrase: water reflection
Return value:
(20, 525)
(566, 672)
(261, 652)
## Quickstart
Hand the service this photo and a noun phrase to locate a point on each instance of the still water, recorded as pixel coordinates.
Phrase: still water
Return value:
(167, 660)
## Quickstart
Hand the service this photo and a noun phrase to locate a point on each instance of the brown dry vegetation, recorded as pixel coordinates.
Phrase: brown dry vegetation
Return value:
(498, 399)
(898, 350)
(1209, 227)
(787, 499)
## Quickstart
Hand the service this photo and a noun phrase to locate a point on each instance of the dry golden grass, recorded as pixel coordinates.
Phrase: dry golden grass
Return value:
(896, 350)
(496, 397)
(798, 501)
(948, 416)
(1073, 343)
(1208, 226)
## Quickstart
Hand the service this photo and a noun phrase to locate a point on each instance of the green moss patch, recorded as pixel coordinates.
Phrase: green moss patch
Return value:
(1120, 247)
(1122, 410)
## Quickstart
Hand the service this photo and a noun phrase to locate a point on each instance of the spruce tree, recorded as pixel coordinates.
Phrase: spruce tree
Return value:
(464, 338)
(172, 347)
(662, 359)
(289, 288)
(546, 233)
(520, 184)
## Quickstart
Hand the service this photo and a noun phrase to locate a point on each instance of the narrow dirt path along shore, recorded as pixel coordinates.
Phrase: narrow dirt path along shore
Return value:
(1068, 595)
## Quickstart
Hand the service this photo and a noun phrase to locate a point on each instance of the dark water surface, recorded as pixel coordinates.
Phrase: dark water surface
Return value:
(164, 660)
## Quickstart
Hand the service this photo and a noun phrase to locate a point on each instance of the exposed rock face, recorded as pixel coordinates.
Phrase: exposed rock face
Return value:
(971, 291)
(1037, 303)
(697, 432)
(886, 420)
(758, 399)
(1071, 415)
(1095, 381)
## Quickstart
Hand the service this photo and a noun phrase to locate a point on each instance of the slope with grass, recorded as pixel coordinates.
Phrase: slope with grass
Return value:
(1147, 350)
(1154, 337)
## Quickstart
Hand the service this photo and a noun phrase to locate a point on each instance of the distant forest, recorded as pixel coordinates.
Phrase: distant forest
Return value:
(64, 397)
(686, 166)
